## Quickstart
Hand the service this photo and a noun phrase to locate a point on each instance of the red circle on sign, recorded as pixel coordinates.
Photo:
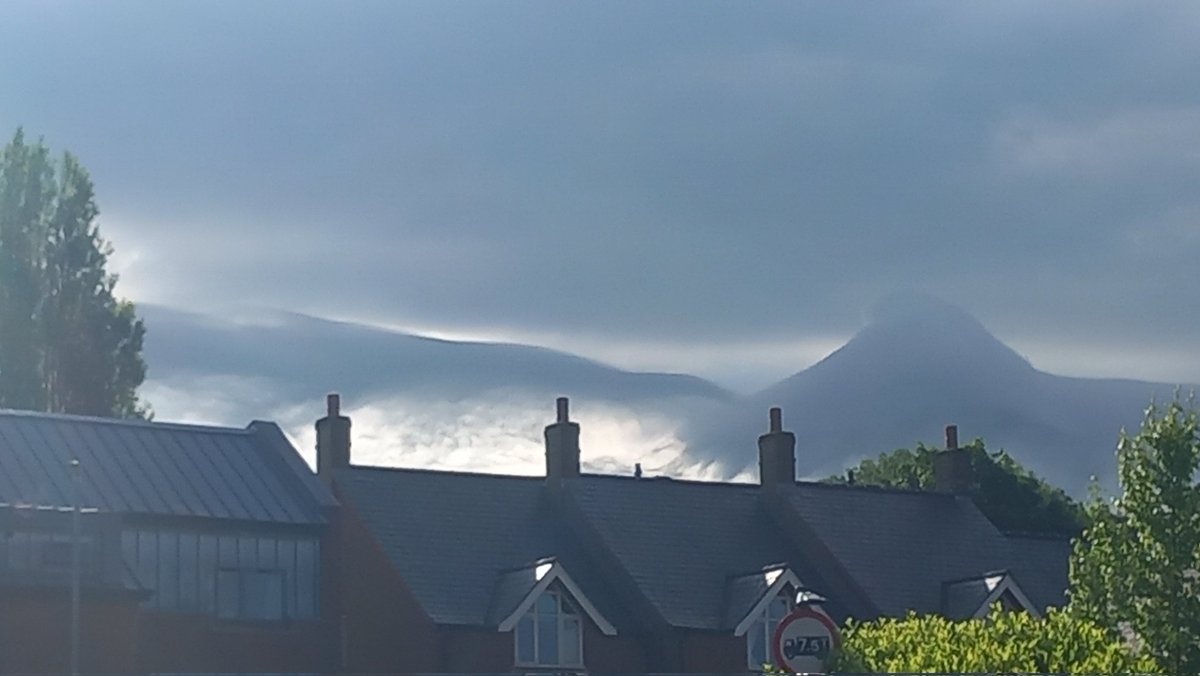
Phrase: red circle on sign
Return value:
(802, 612)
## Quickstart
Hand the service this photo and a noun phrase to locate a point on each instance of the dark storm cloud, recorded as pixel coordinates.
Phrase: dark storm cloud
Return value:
(712, 171)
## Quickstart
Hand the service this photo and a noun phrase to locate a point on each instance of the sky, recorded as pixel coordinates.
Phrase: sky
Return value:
(721, 189)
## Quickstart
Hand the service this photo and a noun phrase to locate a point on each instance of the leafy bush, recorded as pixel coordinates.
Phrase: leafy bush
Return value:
(1001, 642)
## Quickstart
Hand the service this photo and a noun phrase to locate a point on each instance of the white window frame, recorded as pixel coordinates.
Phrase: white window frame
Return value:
(242, 578)
(998, 585)
(765, 624)
(562, 618)
(781, 583)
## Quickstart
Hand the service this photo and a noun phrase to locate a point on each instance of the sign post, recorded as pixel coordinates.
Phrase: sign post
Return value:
(803, 640)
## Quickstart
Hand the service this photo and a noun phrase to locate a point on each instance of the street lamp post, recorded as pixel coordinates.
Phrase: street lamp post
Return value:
(75, 564)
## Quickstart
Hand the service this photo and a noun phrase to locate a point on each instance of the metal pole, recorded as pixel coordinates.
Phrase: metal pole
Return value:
(75, 563)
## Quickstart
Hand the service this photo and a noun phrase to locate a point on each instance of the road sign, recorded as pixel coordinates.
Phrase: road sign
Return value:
(803, 640)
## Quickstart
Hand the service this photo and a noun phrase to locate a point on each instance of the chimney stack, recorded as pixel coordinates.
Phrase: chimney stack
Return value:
(776, 453)
(333, 439)
(952, 467)
(562, 445)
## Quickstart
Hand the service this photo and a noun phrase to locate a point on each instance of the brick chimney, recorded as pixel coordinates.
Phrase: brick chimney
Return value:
(562, 445)
(333, 439)
(952, 467)
(776, 453)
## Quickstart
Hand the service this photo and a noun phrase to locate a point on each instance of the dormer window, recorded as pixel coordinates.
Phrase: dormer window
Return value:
(762, 629)
(544, 609)
(550, 634)
(974, 596)
(758, 602)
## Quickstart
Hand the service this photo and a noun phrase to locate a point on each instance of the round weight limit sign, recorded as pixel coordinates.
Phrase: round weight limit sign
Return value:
(803, 640)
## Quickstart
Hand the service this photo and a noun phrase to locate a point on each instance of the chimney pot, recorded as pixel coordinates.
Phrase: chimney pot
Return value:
(333, 404)
(563, 404)
(776, 419)
(951, 437)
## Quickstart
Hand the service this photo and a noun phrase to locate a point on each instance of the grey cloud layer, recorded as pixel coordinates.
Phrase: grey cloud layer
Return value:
(713, 171)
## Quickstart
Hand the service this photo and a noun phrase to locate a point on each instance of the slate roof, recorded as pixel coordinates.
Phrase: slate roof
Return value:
(744, 592)
(684, 542)
(162, 469)
(963, 598)
(1041, 566)
(695, 551)
(899, 545)
(511, 588)
(456, 539)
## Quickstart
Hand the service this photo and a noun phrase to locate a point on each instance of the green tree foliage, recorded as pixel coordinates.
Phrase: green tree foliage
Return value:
(1003, 642)
(67, 343)
(1014, 498)
(1137, 566)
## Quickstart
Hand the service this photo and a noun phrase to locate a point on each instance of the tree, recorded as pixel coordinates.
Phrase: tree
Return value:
(1014, 498)
(1002, 642)
(1136, 568)
(67, 343)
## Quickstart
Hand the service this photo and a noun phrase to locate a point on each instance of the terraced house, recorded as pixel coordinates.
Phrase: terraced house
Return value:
(210, 549)
(460, 572)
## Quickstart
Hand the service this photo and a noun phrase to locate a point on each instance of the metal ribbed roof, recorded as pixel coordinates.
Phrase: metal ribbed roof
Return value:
(135, 467)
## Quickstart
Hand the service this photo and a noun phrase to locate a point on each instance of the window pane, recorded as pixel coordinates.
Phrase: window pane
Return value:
(266, 553)
(273, 596)
(207, 573)
(188, 585)
(227, 551)
(568, 608)
(227, 594)
(778, 609)
(147, 568)
(262, 595)
(756, 645)
(547, 605)
(525, 632)
(168, 571)
(571, 641)
(547, 640)
(287, 563)
(307, 578)
(247, 548)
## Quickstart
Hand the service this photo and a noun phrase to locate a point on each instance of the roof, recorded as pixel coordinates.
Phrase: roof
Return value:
(696, 552)
(900, 545)
(1041, 564)
(683, 542)
(461, 541)
(161, 469)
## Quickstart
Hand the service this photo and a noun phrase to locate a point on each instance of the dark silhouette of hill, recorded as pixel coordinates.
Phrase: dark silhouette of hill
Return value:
(302, 357)
(917, 365)
(920, 364)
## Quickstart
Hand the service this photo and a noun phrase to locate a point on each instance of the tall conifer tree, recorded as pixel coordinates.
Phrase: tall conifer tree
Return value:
(67, 343)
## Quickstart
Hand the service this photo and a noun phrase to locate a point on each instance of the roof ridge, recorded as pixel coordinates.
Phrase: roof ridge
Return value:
(443, 472)
(1038, 535)
(875, 489)
(123, 422)
(663, 479)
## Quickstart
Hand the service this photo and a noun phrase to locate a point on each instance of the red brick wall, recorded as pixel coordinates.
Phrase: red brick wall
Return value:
(171, 642)
(713, 652)
(383, 628)
(35, 634)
